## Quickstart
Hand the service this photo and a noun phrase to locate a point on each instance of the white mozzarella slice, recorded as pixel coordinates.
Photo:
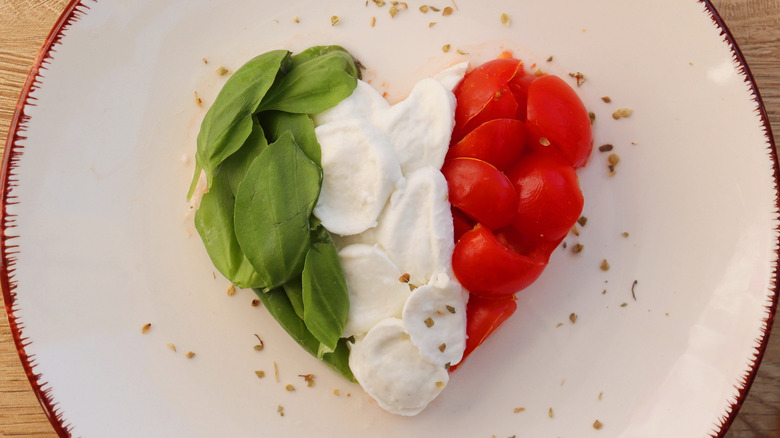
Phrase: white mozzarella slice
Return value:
(360, 171)
(435, 318)
(375, 290)
(364, 102)
(416, 228)
(451, 76)
(421, 125)
(391, 370)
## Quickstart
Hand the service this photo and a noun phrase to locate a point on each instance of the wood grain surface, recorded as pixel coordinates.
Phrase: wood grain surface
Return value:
(24, 25)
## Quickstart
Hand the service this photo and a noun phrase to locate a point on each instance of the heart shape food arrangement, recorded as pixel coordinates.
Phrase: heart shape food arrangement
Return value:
(388, 241)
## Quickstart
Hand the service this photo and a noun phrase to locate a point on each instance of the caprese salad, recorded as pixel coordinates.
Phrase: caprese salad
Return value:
(388, 241)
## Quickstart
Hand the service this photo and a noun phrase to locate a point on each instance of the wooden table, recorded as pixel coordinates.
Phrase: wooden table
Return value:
(24, 25)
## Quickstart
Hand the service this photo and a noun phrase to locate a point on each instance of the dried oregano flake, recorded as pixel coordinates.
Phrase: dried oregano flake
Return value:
(308, 378)
(622, 113)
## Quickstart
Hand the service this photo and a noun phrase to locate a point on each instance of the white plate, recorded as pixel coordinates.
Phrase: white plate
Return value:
(95, 182)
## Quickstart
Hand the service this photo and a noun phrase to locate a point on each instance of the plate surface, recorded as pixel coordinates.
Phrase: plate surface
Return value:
(97, 242)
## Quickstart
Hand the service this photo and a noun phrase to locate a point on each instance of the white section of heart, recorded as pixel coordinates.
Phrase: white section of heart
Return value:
(360, 171)
(416, 227)
(435, 318)
(404, 340)
(374, 290)
(392, 371)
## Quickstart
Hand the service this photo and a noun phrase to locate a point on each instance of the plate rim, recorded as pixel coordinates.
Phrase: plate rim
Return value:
(9, 180)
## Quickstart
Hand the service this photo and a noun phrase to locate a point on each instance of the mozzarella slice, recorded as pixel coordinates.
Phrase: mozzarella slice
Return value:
(451, 76)
(421, 125)
(375, 291)
(435, 318)
(391, 370)
(365, 102)
(416, 229)
(359, 173)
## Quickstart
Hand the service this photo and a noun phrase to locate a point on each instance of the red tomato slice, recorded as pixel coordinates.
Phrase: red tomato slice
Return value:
(557, 113)
(500, 142)
(519, 88)
(480, 85)
(502, 106)
(461, 223)
(549, 197)
(480, 191)
(482, 318)
(489, 269)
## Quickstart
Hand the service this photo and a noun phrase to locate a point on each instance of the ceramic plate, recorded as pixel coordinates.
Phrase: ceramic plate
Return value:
(96, 240)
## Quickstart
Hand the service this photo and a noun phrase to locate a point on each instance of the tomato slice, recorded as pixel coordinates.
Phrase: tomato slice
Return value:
(479, 86)
(519, 88)
(502, 106)
(549, 197)
(480, 191)
(556, 113)
(489, 269)
(461, 223)
(483, 317)
(499, 142)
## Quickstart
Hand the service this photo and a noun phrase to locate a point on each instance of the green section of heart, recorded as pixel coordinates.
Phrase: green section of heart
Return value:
(261, 160)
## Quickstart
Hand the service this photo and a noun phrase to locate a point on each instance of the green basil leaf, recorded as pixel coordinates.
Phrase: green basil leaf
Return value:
(228, 122)
(294, 291)
(313, 86)
(301, 126)
(315, 51)
(273, 205)
(238, 164)
(214, 222)
(214, 218)
(325, 297)
(279, 306)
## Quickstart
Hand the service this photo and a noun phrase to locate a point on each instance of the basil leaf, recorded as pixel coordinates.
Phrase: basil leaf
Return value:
(238, 164)
(325, 297)
(312, 52)
(214, 218)
(301, 126)
(313, 86)
(228, 122)
(273, 205)
(279, 306)
(214, 222)
(294, 291)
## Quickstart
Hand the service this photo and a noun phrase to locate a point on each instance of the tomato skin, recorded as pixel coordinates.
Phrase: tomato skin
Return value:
(549, 197)
(519, 88)
(483, 317)
(502, 106)
(557, 113)
(480, 85)
(499, 142)
(491, 270)
(480, 191)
